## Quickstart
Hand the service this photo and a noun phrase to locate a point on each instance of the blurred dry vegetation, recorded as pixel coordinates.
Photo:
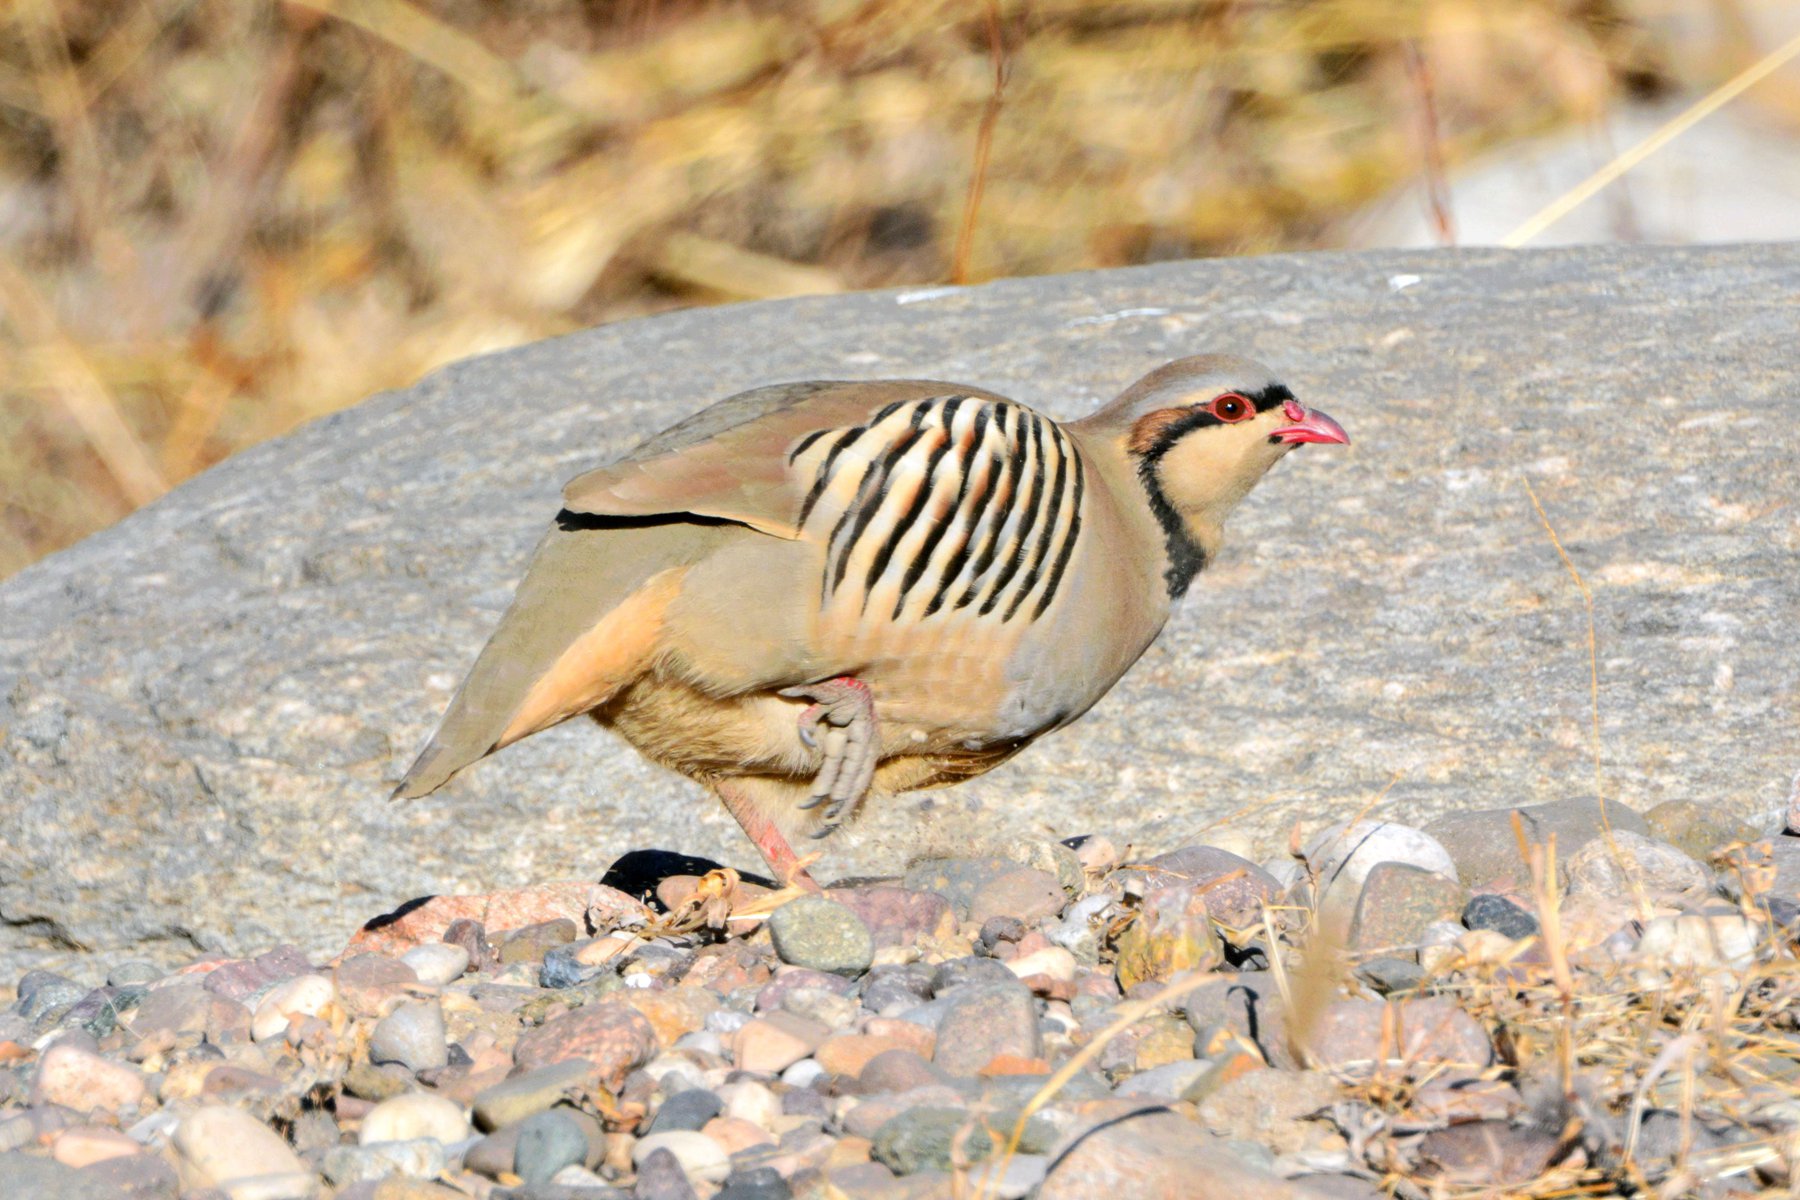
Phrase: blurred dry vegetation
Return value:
(220, 218)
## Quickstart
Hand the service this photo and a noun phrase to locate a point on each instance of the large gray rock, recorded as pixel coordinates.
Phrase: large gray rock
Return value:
(202, 710)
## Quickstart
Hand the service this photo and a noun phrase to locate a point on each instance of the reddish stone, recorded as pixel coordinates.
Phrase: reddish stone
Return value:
(1235, 888)
(673, 1011)
(1153, 1154)
(612, 1035)
(593, 908)
(896, 1071)
(1488, 1154)
(726, 967)
(849, 1053)
(1013, 1064)
(1423, 1032)
(245, 977)
(367, 984)
(898, 916)
(1025, 893)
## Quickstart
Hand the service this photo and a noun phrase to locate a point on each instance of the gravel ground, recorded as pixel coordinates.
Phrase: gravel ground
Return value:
(1560, 999)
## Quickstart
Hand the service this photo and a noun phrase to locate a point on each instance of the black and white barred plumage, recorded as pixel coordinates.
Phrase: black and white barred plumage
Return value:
(945, 505)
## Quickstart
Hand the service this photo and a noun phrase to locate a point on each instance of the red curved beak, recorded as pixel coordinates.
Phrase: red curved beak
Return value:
(1309, 425)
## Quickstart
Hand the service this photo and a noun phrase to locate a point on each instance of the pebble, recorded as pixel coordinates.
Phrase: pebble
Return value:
(702, 1159)
(413, 1036)
(661, 1177)
(899, 918)
(1626, 862)
(85, 1145)
(823, 935)
(419, 1158)
(1399, 902)
(301, 996)
(749, 1101)
(1487, 850)
(29, 1177)
(1025, 893)
(1714, 945)
(1697, 829)
(80, 1080)
(1154, 1153)
(532, 942)
(547, 1142)
(984, 1023)
(513, 1099)
(1342, 855)
(926, 1138)
(956, 879)
(243, 978)
(1235, 888)
(132, 973)
(687, 1110)
(1353, 1034)
(771, 1044)
(756, 1183)
(415, 1115)
(1172, 933)
(1053, 962)
(45, 996)
(368, 983)
(223, 1146)
(1488, 911)
(130, 1176)
(612, 1035)
(437, 963)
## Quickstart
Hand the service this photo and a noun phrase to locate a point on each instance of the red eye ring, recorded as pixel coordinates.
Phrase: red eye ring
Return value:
(1232, 407)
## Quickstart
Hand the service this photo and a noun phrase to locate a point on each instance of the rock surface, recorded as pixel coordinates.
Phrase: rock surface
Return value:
(237, 674)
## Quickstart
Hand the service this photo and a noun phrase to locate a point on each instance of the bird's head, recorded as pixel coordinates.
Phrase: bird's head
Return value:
(1199, 433)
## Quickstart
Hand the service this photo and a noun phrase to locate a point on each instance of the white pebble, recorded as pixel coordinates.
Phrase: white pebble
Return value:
(438, 963)
(726, 1021)
(229, 1149)
(413, 1115)
(751, 1101)
(1053, 961)
(1718, 945)
(804, 1073)
(701, 1041)
(701, 1158)
(301, 996)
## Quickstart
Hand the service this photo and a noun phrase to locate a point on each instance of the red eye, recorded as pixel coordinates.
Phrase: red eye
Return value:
(1233, 407)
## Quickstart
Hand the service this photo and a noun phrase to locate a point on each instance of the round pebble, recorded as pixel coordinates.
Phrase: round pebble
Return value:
(222, 1146)
(415, 1115)
(548, 1142)
(689, 1110)
(437, 963)
(700, 1157)
(301, 996)
(823, 935)
(413, 1036)
(127, 974)
(1501, 915)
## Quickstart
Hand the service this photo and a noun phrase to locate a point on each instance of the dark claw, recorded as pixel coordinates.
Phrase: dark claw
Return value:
(812, 802)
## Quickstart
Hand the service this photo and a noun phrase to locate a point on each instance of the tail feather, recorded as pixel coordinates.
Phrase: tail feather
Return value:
(583, 623)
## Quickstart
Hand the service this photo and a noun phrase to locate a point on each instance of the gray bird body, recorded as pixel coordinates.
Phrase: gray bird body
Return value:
(988, 573)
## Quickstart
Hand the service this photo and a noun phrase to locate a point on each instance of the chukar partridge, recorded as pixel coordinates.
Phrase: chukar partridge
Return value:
(814, 592)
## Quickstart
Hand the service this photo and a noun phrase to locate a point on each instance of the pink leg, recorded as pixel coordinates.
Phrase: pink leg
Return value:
(784, 864)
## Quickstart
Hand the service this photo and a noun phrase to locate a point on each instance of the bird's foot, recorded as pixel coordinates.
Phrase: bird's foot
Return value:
(840, 721)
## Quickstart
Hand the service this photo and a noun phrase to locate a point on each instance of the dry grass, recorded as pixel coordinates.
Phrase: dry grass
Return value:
(219, 218)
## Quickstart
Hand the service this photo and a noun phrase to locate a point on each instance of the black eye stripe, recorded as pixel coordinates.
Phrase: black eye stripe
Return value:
(1201, 417)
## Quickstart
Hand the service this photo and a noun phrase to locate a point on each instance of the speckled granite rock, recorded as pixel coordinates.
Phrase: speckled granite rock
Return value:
(202, 709)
